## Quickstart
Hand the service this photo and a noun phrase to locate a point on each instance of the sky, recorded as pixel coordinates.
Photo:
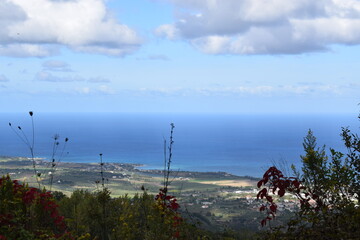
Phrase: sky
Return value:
(181, 56)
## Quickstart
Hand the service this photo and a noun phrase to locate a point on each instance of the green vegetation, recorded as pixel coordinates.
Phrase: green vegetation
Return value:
(327, 189)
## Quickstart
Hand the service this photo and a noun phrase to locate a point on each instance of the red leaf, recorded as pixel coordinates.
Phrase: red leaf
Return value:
(259, 183)
(269, 198)
(273, 208)
(263, 222)
(296, 184)
(263, 193)
(266, 180)
(281, 192)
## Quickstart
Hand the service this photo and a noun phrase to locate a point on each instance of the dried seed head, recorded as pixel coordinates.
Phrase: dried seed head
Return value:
(56, 136)
(31, 113)
(19, 127)
(66, 139)
(100, 154)
(9, 124)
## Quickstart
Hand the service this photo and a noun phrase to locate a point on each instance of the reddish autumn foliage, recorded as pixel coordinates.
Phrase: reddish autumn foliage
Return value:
(168, 201)
(276, 183)
(170, 208)
(27, 212)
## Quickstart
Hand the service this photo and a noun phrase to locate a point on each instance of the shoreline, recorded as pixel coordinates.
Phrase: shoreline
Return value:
(121, 178)
(41, 161)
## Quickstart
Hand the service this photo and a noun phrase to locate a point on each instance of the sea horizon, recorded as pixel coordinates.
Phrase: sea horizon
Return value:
(240, 144)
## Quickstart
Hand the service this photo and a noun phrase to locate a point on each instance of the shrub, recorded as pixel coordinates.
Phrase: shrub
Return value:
(327, 191)
(28, 213)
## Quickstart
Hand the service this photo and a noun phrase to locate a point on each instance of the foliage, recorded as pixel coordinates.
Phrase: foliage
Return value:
(140, 217)
(28, 213)
(326, 190)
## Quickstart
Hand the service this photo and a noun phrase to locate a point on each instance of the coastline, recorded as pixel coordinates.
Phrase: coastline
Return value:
(121, 178)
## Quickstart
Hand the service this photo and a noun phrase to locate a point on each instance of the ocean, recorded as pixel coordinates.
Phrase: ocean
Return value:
(241, 144)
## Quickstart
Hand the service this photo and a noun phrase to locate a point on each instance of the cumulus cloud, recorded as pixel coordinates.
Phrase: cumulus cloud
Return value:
(3, 78)
(265, 26)
(40, 27)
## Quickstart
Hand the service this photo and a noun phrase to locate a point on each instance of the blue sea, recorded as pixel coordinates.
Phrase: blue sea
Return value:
(234, 143)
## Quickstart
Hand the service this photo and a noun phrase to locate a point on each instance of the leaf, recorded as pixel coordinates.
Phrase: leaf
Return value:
(273, 208)
(281, 192)
(296, 183)
(263, 222)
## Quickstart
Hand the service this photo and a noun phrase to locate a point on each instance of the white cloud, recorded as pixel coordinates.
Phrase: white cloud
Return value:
(102, 90)
(258, 91)
(55, 65)
(264, 26)
(159, 57)
(168, 31)
(105, 89)
(27, 50)
(49, 77)
(98, 80)
(37, 27)
(84, 90)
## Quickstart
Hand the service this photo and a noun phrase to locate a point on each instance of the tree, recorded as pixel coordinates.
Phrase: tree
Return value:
(326, 189)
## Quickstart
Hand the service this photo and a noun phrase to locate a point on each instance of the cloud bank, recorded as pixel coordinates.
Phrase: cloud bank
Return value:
(38, 28)
(264, 26)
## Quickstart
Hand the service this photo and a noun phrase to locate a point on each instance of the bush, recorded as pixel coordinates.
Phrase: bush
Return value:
(28, 213)
(140, 217)
(327, 190)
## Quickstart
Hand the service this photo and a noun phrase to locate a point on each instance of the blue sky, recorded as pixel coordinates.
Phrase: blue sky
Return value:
(217, 56)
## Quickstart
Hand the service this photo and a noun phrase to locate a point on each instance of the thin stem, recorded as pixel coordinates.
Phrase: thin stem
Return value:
(19, 136)
(168, 158)
(27, 142)
(102, 173)
(53, 163)
(165, 160)
(33, 130)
